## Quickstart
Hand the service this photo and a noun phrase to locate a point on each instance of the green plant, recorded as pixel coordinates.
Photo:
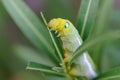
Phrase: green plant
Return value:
(92, 20)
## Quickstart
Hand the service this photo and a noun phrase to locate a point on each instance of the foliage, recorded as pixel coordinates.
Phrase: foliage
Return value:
(92, 24)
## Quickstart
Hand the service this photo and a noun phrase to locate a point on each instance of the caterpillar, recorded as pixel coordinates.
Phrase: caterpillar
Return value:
(71, 40)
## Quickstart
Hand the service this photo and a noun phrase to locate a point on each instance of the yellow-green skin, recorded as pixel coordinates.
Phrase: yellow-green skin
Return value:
(71, 41)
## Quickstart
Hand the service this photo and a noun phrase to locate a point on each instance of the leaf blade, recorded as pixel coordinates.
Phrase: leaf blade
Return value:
(28, 54)
(86, 15)
(99, 27)
(30, 25)
(42, 68)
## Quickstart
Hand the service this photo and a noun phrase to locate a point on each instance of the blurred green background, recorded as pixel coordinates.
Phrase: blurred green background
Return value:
(12, 65)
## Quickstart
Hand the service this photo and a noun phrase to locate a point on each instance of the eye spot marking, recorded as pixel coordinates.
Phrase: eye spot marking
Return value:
(67, 25)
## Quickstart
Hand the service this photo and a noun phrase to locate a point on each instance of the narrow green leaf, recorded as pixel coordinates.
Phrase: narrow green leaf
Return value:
(100, 26)
(52, 38)
(28, 54)
(86, 16)
(102, 18)
(30, 25)
(42, 68)
(113, 74)
(94, 41)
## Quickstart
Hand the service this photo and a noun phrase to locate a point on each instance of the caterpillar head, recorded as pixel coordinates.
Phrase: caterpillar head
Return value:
(60, 25)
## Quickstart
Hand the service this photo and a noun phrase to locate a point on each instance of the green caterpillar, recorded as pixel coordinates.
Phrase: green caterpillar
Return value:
(71, 41)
